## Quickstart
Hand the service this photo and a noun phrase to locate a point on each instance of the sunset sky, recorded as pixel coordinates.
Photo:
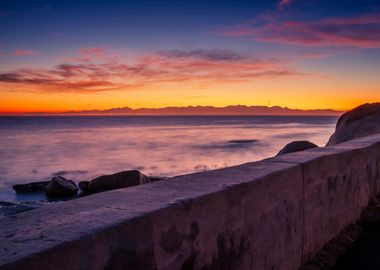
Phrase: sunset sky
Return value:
(80, 55)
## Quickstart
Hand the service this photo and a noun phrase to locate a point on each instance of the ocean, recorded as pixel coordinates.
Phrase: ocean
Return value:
(35, 148)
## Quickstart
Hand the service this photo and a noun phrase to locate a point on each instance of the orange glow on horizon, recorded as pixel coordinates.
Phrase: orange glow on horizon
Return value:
(166, 81)
(165, 96)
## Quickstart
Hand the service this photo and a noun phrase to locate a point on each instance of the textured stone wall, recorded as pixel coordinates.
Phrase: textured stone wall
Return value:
(272, 214)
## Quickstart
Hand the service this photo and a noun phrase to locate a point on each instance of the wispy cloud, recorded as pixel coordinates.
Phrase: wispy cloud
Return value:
(360, 31)
(51, 84)
(283, 3)
(211, 55)
(103, 72)
(20, 52)
(90, 54)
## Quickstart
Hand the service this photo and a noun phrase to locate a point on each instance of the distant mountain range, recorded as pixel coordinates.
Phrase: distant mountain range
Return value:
(207, 110)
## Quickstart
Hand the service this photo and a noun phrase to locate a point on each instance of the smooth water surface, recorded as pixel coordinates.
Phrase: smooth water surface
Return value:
(82, 147)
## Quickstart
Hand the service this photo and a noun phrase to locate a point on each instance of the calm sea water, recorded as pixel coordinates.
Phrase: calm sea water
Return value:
(80, 148)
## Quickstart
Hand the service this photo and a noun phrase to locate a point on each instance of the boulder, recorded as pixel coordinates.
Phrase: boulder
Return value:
(296, 146)
(31, 187)
(83, 185)
(359, 122)
(61, 187)
(117, 180)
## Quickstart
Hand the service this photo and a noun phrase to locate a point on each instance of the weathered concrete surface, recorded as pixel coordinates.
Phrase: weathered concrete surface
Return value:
(338, 183)
(226, 218)
(272, 214)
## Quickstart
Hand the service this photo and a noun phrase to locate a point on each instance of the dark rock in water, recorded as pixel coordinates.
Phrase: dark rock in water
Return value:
(117, 180)
(31, 187)
(61, 187)
(83, 185)
(359, 122)
(296, 146)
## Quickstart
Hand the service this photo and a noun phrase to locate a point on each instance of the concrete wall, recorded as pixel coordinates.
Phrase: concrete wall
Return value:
(272, 214)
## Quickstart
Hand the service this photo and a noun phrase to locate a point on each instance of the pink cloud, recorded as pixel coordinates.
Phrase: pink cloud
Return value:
(20, 52)
(97, 52)
(362, 31)
(211, 66)
(91, 54)
(284, 3)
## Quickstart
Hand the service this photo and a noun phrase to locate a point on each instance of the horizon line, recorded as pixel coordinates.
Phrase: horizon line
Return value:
(188, 110)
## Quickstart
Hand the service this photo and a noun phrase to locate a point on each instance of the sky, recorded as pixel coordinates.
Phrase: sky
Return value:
(67, 55)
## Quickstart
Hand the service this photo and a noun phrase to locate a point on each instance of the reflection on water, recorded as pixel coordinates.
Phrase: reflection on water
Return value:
(35, 148)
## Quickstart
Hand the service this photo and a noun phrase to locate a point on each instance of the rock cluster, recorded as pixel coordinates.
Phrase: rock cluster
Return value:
(60, 187)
